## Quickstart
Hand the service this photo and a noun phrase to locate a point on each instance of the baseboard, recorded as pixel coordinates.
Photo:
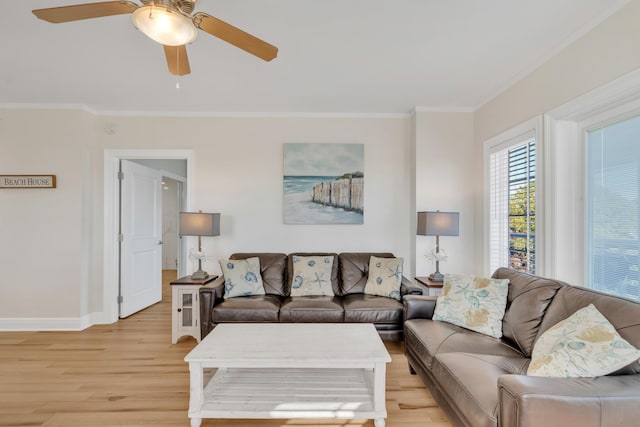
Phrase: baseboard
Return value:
(97, 318)
(42, 324)
(54, 323)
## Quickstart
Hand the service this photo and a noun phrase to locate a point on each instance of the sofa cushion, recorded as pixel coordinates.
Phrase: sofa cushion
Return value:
(470, 380)
(427, 338)
(241, 277)
(310, 309)
(335, 286)
(475, 303)
(262, 308)
(583, 345)
(362, 308)
(354, 270)
(272, 270)
(385, 277)
(623, 314)
(527, 302)
(311, 276)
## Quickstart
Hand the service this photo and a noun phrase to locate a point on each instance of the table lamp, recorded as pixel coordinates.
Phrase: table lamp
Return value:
(438, 224)
(199, 224)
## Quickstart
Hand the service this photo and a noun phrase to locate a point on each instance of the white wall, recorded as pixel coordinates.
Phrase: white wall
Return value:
(52, 270)
(238, 172)
(444, 181)
(174, 167)
(45, 233)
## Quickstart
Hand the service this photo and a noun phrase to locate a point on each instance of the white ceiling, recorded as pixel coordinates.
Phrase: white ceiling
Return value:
(335, 56)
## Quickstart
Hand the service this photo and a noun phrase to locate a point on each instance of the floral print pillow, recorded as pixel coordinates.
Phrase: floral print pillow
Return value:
(385, 277)
(312, 276)
(583, 345)
(474, 303)
(242, 277)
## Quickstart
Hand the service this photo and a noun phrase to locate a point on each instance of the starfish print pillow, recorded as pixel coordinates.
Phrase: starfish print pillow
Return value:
(312, 276)
(385, 277)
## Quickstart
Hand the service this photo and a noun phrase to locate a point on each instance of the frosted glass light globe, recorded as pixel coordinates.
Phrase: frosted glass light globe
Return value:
(165, 26)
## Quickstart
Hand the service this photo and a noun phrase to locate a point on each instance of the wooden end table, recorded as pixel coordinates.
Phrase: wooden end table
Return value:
(433, 288)
(185, 314)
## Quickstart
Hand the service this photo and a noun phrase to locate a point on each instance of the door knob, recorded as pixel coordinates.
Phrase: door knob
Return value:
(159, 242)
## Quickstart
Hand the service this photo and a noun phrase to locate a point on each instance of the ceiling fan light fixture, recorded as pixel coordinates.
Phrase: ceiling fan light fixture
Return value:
(164, 25)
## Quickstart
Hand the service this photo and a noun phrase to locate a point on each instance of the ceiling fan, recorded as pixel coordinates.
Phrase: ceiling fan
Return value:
(171, 23)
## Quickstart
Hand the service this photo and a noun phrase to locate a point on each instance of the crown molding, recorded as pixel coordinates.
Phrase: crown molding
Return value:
(614, 7)
(196, 114)
(442, 110)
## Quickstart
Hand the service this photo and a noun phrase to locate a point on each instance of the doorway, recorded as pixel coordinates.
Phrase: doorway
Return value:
(158, 159)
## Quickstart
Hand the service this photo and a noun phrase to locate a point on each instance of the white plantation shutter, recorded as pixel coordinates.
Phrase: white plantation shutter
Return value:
(499, 209)
(511, 166)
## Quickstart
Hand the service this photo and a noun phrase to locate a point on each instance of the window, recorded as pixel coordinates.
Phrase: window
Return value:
(512, 195)
(511, 199)
(591, 214)
(522, 207)
(613, 208)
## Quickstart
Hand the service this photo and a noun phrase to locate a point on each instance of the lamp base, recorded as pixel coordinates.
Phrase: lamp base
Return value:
(199, 275)
(436, 277)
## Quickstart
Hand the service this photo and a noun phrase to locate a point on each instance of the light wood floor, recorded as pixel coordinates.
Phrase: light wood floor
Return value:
(129, 374)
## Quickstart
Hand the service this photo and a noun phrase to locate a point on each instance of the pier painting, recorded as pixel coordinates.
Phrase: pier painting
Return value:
(323, 184)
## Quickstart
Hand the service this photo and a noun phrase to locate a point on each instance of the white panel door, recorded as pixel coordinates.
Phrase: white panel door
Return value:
(141, 247)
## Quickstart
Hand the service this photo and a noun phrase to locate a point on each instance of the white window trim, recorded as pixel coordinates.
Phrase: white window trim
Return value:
(565, 162)
(532, 128)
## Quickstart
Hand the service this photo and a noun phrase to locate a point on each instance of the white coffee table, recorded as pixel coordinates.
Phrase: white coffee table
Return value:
(280, 370)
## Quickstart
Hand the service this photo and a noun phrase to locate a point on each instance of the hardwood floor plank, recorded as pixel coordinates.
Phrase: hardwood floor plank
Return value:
(11, 419)
(129, 374)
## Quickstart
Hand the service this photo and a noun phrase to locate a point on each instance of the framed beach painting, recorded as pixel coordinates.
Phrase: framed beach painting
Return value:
(323, 183)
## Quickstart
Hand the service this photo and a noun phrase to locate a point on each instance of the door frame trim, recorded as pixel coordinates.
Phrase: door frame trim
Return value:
(111, 217)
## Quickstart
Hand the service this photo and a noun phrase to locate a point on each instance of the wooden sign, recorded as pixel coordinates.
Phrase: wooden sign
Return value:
(27, 181)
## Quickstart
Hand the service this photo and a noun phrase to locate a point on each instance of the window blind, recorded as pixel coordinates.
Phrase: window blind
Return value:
(613, 208)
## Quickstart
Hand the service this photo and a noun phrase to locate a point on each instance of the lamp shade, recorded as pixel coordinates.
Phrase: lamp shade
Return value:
(199, 224)
(164, 25)
(438, 223)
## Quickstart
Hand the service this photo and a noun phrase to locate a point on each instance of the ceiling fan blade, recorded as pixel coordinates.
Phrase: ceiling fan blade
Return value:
(235, 36)
(177, 60)
(78, 12)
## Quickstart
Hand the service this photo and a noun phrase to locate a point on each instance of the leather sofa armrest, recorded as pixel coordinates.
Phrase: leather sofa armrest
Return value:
(211, 294)
(419, 306)
(553, 402)
(407, 287)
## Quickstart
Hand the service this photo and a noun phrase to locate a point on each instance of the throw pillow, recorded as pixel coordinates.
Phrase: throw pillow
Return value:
(474, 303)
(242, 277)
(583, 345)
(312, 276)
(385, 277)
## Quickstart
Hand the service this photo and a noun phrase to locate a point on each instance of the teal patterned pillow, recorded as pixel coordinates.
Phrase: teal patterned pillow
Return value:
(242, 277)
(385, 277)
(312, 276)
(583, 345)
(474, 303)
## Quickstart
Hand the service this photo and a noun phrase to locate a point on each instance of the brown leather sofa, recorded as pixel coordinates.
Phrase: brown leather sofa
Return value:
(350, 303)
(481, 381)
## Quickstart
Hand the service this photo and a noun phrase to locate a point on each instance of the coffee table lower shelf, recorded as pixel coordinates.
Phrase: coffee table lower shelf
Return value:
(289, 393)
